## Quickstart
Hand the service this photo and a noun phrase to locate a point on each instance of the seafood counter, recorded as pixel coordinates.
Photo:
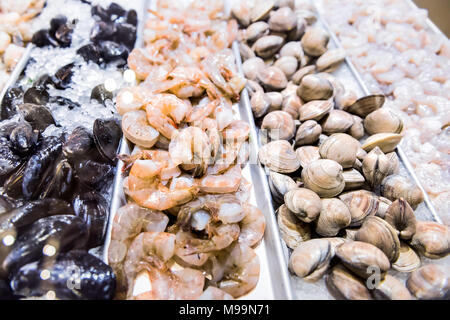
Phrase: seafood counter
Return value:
(219, 150)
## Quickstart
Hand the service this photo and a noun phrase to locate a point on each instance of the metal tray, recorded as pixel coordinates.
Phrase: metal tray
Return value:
(274, 279)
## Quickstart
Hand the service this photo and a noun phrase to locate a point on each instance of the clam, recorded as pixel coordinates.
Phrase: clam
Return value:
(381, 234)
(301, 73)
(315, 110)
(333, 217)
(335, 242)
(245, 51)
(330, 60)
(324, 177)
(350, 233)
(138, 130)
(383, 120)
(313, 87)
(395, 162)
(279, 124)
(308, 15)
(279, 156)
(292, 230)
(279, 185)
(272, 78)
(362, 204)
(429, 282)
(383, 205)
(387, 142)
(285, 3)
(290, 90)
(345, 98)
(359, 256)
(366, 105)
(307, 154)
(408, 260)
(337, 121)
(315, 41)
(310, 259)
(282, 20)
(267, 46)
(256, 30)
(297, 33)
(241, 11)
(253, 87)
(260, 104)
(401, 216)
(293, 49)
(276, 100)
(292, 104)
(251, 67)
(376, 166)
(391, 289)
(341, 148)
(304, 203)
(287, 64)
(262, 9)
(431, 239)
(356, 130)
(344, 285)
(308, 133)
(395, 187)
(353, 179)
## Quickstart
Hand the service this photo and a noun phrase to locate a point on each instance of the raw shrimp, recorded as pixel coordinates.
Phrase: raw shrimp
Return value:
(252, 226)
(241, 271)
(132, 98)
(227, 182)
(202, 110)
(139, 63)
(220, 237)
(165, 111)
(237, 131)
(169, 170)
(213, 293)
(187, 258)
(224, 114)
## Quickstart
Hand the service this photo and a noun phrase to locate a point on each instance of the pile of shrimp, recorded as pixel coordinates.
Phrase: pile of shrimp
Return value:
(398, 54)
(187, 231)
(15, 31)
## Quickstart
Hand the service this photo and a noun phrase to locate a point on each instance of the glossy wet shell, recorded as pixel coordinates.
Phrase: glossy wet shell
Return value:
(431, 239)
(408, 260)
(304, 203)
(345, 286)
(324, 177)
(361, 203)
(429, 282)
(366, 105)
(333, 217)
(315, 110)
(279, 156)
(279, 124)
(311, 259)
(293, 231)
(341, 148)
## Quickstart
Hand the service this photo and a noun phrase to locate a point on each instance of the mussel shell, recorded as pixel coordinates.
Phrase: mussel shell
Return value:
(64, 35)
(12, 98)
(91, 278)
(125, 34)
(107, 135)
(100, 94)
(42, 38)
(90, 52)
(13, 185)
(102, 31)
(36, 95)
(63, 76)
(9, 161)
(63, 101)
(112, 51)
(5, 291)
(61, 183)
(92, 173)
(115, 11)
(63, 232)
(57, 22)
(38, 116)
(23, 138)
(92, 207)
(132, 17)
(78, 144)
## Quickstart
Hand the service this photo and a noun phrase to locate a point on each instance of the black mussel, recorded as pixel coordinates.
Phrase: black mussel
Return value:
(13, 97)
(115, 10)
(6, 204)
(98, 11)
(43, 82)
(36, 95)
(23, 138)
(43, 38)
(40, 165)
(57, 22)
(37, 115)
(5, 130)
(64, 35)
(102, 31)
(13, 185)
(63, 76)
(93, 208)
(100, 94)
(62, 232)
(9, 161)
(32, 211)
(62, 101)
(78, 144)
(90, 52)
(132, 17)
(112, 51)
(5, 291)
(125, 34)
(91, 172)
(73, 275)
(107, 135)
(61, 183)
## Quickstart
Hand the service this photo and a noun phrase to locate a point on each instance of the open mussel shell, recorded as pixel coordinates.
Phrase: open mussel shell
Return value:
(279, 156)
(333, 217)
(366, 105)
(37, 115)
(304, 203)
(345, 286)
(429, 282)
(396, 186)
(381, 234)
(97, 279)
(390, 288)
(408, 260)
(324, 177)
(311, 259)
(387, 142)
(360, 256)
(279, 185)
(431, 239)
(292, 230)
(107, 135)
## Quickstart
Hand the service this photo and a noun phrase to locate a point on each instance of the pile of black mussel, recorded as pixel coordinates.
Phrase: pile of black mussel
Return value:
(112, 37)
(58, 35)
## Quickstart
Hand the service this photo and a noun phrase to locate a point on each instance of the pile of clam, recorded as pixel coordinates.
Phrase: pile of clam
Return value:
(342, 204)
